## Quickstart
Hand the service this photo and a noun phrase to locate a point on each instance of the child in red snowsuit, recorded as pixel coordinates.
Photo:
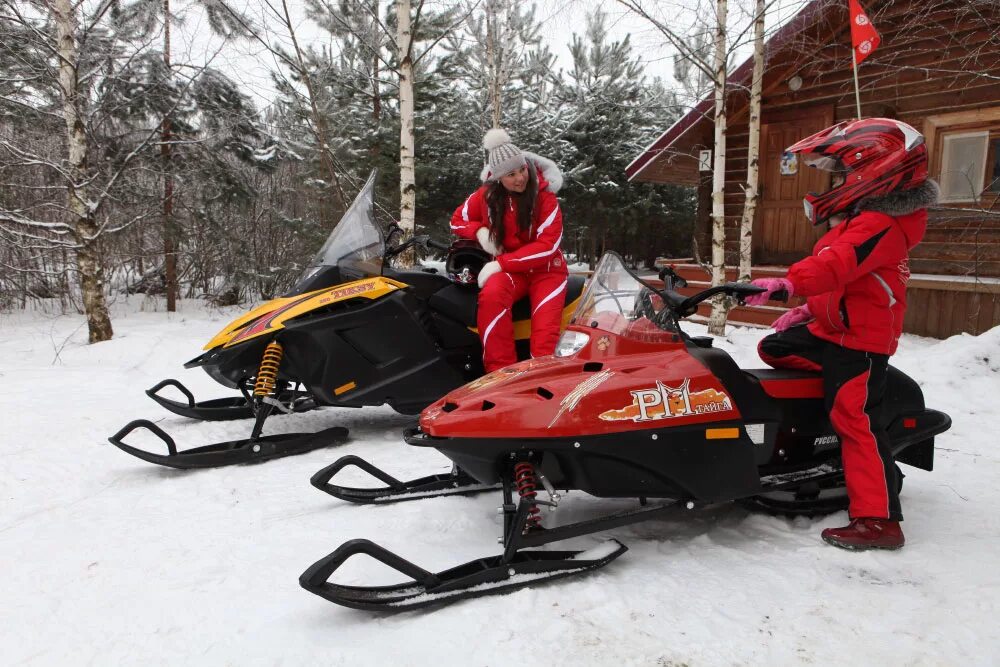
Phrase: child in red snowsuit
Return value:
(855, 284)
(516, 218)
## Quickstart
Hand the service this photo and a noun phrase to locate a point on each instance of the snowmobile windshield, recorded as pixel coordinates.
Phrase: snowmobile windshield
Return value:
(356, 243)
(618, 302)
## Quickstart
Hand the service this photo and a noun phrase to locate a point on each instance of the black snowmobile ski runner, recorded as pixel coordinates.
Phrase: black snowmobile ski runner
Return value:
(456, 482)
(223, 409)
(513, 569)
(249, 450)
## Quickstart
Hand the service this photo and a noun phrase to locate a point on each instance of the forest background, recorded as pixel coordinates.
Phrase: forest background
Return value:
(194, 175)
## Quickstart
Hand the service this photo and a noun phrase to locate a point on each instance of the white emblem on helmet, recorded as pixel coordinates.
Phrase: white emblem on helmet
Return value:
(861, 19)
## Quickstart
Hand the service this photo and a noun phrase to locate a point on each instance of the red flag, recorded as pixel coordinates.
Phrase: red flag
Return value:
(863, 34)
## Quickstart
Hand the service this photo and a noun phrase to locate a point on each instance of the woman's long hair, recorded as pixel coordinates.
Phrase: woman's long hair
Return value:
(496, 200)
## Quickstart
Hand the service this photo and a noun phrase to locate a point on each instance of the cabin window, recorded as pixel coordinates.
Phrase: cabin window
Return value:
(970, 165)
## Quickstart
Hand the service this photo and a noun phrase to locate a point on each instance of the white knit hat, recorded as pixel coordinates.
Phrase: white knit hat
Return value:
(502, 156)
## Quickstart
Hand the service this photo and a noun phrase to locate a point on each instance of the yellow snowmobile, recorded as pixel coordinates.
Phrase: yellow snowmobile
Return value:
(353, 332)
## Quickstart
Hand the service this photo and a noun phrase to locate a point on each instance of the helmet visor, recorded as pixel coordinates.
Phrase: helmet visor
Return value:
(825, 163)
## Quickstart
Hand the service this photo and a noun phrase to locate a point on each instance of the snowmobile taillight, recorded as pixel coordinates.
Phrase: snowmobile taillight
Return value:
(570, 343)
(910, 423)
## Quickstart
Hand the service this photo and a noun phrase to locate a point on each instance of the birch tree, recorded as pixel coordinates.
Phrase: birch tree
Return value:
(753, 152)
(716, 71)
(407, 176)
(77, 176)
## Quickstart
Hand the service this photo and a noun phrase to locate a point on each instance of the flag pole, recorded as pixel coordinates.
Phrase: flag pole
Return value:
(857, 89)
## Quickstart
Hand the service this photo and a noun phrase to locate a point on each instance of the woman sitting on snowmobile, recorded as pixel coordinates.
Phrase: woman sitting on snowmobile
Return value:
(855, 284)
(516, 218)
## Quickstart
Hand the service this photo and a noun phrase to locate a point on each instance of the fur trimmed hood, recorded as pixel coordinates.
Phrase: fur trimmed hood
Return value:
(549, 171)
(902, 202)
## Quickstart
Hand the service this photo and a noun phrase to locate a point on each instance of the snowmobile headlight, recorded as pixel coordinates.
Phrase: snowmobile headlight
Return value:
(570, 343)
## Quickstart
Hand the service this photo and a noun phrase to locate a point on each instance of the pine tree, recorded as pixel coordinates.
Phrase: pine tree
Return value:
(616, 111)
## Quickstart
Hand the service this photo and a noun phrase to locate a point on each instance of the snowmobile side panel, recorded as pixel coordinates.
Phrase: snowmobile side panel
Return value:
(269, 317)
(669, 462)
(383, 351)
(227, 453)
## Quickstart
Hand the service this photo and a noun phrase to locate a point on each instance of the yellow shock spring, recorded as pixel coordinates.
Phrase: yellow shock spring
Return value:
(268, 373)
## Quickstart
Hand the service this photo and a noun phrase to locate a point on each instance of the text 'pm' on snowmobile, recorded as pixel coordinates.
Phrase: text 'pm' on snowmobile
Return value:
(354, 331)
(629, 406)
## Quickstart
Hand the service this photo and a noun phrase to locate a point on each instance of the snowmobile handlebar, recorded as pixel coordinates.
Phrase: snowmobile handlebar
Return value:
(422, 240)
(686, 306)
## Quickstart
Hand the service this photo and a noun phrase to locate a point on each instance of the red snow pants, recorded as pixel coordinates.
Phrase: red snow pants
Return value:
(547, 293)
(853, 388)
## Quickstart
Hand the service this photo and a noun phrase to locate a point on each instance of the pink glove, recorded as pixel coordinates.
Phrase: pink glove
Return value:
(794, 317)
(772, 285)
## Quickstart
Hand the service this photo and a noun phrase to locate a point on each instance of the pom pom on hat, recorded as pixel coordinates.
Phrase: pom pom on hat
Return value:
(495, 137)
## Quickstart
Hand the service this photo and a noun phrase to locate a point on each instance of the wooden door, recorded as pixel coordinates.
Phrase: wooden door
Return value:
(781, 234)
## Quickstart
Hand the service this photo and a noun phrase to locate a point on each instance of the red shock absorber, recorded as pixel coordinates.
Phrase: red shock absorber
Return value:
(524, 479)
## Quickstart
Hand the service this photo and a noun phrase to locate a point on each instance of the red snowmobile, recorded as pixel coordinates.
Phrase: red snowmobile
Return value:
(629, 406)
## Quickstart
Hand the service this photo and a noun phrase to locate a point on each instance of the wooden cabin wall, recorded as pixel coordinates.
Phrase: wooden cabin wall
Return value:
(937, 57)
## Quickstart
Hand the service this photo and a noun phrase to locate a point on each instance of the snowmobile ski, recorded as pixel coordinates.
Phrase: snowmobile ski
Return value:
(513, 569)
(223, 409)
(250, 450)
(485, 576)
(456, 482)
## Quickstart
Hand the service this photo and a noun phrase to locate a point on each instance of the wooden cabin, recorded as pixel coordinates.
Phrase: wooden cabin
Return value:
(938, 69)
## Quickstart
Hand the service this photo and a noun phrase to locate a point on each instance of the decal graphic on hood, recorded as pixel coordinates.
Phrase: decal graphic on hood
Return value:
(496, 377)
(664, 402)
(573, 398)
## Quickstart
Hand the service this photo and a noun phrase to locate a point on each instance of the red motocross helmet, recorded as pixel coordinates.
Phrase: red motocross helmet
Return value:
(876, 156)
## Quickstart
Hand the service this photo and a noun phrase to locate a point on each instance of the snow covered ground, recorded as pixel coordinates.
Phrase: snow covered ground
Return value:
(108, 560)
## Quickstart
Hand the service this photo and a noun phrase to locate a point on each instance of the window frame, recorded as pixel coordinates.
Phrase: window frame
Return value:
(979, 186)
(986, 118)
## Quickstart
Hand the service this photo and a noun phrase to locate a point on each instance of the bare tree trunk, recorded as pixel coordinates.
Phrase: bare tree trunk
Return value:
(720, 306)
(753, 154)
(88, 256)
(407, 179)
(169, 227)
(376, 91)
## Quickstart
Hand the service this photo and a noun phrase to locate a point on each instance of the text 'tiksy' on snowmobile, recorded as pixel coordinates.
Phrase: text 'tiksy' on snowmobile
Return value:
(353, 332)
(628, 407)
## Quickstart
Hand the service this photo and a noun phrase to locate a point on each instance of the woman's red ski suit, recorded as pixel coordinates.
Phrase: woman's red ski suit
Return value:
(532, 264)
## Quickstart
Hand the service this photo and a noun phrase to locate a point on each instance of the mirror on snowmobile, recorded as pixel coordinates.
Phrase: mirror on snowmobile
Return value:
(671, 279)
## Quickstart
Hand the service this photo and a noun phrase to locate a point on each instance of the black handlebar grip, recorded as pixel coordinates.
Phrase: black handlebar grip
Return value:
(781, 295)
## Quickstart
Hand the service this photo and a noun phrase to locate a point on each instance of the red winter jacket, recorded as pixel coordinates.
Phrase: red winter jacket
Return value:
(536, 249)
(856, 278)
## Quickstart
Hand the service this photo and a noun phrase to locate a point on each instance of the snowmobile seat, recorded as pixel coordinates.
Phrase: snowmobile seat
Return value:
(788, 383)
(459, 302)
(745, 388)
